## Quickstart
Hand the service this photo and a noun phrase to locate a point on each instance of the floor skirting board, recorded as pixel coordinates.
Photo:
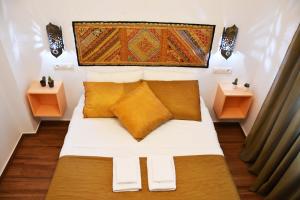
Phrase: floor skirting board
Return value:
(2, 171)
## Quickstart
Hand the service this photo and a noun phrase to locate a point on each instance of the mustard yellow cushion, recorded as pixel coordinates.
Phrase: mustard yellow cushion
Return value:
(182, 98)
(140, 111)
(100, 96)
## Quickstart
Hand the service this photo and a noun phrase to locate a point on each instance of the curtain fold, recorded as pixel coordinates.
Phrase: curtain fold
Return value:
(288, 186)
(267, 186)
(273, 102)
(273, 145)
(280, 126)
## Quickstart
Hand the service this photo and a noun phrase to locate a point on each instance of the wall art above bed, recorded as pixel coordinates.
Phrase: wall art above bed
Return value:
(143, 43)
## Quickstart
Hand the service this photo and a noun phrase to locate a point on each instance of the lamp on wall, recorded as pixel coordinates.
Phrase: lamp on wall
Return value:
(55, 39)
(228, 41)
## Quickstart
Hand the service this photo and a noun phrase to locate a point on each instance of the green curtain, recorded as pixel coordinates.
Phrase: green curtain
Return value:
(273, 145)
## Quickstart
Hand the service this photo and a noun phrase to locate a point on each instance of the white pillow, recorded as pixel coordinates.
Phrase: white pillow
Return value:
(114, 75)
(170, 74)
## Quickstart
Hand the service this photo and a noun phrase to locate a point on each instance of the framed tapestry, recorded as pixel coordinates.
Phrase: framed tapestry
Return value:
(143, 43)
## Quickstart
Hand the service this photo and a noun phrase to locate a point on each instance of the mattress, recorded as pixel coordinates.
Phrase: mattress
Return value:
(106, 137)
(84, 170)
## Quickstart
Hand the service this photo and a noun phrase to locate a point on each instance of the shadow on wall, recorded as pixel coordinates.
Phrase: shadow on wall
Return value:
(27, 49)
(17, 42)
(268, 41)
(16, 79)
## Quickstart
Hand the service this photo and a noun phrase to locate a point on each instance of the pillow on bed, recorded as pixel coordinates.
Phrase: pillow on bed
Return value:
(111, 75)
(180, 97)
(174, 74)
(140, 111)
(100, 96)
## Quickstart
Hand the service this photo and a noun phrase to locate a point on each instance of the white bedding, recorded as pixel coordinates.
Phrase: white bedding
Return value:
(107, 138)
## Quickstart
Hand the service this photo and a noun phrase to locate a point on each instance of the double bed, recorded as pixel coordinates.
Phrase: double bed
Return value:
(84, 170)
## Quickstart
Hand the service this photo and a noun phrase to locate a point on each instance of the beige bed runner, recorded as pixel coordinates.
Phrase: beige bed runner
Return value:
(198, 177)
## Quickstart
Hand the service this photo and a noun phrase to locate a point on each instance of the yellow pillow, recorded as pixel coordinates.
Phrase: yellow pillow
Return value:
(140, 111)
(100, 96)
(180, 97)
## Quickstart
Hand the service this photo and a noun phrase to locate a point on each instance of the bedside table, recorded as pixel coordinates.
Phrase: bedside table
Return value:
(232, 103)
(45, 101)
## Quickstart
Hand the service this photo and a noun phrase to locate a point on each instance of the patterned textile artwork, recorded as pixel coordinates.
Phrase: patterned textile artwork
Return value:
(143, 43)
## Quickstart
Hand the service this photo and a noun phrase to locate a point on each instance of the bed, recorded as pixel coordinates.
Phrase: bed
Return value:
(84, 170)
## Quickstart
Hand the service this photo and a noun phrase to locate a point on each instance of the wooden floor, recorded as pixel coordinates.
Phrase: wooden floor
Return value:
(29, 172)
(231, 138)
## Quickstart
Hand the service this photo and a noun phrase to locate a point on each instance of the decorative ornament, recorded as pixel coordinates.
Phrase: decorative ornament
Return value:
(150, 44)
(50, 82)
(246, 85)
(235, 83)
(228, 41)
(55, 39)
(43, 81)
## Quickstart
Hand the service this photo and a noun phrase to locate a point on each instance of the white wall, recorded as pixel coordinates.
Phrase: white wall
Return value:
(265, 44)
(265, 30)
(9, 133)
(14, 118)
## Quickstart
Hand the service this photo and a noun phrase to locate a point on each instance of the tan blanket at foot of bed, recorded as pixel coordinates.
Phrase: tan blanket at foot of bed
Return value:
(198, 177)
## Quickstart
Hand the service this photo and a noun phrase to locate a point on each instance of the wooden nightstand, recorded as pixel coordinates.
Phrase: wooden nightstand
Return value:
(45, 101)
(232, 103)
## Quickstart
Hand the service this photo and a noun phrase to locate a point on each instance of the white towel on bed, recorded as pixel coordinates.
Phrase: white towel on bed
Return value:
(126, 174)
(161, 173)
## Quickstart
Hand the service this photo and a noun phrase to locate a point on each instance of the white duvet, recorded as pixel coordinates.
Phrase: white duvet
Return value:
(106, 137)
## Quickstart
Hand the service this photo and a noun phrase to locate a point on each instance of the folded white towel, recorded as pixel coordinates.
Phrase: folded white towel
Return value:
(126, 174)
(161, 173)
(126, 169)
(163, 169)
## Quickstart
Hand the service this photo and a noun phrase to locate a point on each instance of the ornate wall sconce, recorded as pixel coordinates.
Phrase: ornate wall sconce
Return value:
(55, 39)
(228, 41)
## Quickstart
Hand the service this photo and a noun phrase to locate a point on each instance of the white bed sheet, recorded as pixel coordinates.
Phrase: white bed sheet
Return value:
(106, 137)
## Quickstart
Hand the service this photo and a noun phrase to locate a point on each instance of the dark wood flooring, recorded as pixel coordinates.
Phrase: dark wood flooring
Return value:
(231, 138)
(32, 165)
